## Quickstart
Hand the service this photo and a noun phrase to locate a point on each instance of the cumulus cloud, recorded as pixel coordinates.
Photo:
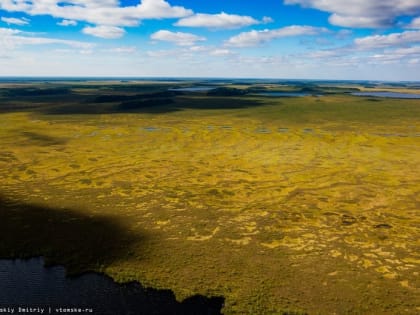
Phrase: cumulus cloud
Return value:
(104, 31)
(395, 48)
(219, 21)
(403, 39)
(411, 55)
(363, 13)
(103, 13)
(178, 38)
(12, 39)
(67, 23)
(255, 38)
(415, 23)
(16, 21)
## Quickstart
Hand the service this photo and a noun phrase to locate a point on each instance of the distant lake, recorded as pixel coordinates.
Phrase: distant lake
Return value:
(387, 94)
(284, 94)
(27, 283)
(194, 89)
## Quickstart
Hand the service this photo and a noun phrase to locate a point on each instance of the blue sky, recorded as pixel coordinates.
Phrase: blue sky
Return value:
(312, 39)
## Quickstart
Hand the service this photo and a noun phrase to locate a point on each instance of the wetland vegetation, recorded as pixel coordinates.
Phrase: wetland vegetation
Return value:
(280, 205)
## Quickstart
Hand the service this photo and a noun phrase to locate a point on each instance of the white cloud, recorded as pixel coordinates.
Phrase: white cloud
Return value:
(391, 40)
(12, 39)
(267, 20)
(415, 23)
(16, 21)
(218, 21)
(178, 38)
(220, 52)
(122, 50)
(198, 48)
(104, 31)
(363, 13)
(396, 48)
(5, 32)
(212, 51)
(255, 38)
(67, 23)
(320, 54)
(190, 53)
(103, 13)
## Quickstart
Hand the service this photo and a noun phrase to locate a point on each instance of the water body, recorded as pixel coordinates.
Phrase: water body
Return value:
(262, 130)
(194, 89)
(30, 285)
(388, 94)
(284, 94)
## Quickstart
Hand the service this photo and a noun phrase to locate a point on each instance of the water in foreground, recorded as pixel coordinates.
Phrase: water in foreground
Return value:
(28, 285)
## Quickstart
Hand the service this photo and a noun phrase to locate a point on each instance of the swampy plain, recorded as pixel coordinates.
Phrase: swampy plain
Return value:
(305, 204)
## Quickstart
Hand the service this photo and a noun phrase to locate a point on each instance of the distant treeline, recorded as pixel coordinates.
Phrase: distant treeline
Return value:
(38, 92)
(227, 91)
(139, 97)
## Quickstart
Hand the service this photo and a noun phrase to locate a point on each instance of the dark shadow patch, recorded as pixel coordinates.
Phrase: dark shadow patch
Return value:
(109, 98)
(8, 157)
(145, 104)
(383, 226)
(348, 219)
(218, 102)
(73, 100)
(16, 92)
(69, 237)
(42, 140)
(154, 105)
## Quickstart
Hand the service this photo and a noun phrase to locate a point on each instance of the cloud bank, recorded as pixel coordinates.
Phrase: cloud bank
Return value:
(12, 39)
(219, 21)
(178, 38)
(15, 21)
(363, 13)
(255, 38)
(104, 14)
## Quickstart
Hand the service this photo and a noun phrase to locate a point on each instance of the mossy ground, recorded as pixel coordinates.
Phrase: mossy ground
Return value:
(307, 204)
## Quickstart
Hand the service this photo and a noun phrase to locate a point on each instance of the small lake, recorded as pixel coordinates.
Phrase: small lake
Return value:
(28, 284)
(388, 94)
(283, 94)
(193, 89)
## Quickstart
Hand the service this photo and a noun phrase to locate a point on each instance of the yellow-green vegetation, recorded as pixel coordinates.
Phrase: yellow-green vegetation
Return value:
(308, 204)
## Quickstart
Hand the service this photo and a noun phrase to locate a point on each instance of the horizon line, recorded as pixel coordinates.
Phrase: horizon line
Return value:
(109, 77)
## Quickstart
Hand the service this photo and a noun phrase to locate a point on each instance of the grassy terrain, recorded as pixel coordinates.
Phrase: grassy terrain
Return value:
(309, 204)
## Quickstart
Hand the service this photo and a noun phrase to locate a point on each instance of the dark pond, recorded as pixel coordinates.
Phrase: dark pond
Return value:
(194, 89)
(32, 287)
(387, 94)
